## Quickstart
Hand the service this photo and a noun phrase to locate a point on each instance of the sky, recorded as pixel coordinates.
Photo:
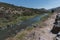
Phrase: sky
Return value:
(48, 4)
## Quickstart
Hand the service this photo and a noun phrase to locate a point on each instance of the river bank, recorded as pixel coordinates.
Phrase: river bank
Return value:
(44, 32)
(20, 35)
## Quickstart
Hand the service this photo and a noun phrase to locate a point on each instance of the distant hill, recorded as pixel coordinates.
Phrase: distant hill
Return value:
(57, 9)
(18, 9)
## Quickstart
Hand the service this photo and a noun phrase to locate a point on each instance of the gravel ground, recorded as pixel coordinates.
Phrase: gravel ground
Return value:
(44, 33)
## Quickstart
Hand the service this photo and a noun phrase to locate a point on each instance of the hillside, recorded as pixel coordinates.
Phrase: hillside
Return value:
(9, 13)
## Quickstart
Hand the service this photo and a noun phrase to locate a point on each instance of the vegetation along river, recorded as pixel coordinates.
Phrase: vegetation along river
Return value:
(14, 29)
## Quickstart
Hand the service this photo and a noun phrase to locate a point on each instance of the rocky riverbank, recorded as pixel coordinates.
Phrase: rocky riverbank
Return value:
(39, 33)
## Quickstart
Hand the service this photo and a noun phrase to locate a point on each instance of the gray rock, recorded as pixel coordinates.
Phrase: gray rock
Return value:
(58, 36)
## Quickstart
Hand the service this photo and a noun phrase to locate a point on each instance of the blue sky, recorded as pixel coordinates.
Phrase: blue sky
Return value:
(34, 3)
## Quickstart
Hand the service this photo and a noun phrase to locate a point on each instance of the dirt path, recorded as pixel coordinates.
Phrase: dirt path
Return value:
(44, 33)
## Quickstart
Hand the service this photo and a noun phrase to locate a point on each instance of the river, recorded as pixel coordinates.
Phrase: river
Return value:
(31, 21)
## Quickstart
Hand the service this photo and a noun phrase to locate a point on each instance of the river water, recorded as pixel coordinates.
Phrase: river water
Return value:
(31, 21)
